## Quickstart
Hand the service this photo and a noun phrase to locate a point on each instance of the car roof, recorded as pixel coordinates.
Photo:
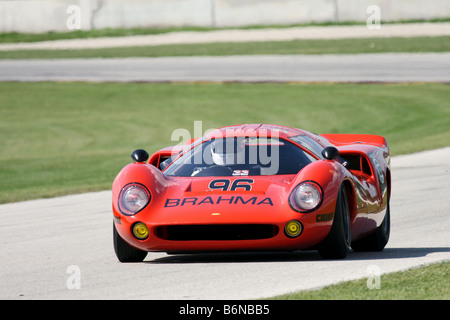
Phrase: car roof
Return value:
(255, 130)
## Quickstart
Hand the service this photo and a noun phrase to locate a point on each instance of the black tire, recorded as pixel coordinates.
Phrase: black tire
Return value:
(337, 244)
(377, 240)
(125, 252)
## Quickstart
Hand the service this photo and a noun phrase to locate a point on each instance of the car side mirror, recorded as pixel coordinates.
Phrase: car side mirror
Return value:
(330, 153)
(140, 155)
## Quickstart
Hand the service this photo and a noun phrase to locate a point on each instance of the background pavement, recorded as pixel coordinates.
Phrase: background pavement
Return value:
(383, 67)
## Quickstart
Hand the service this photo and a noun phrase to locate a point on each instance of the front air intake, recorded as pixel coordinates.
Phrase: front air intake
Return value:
(217, 232)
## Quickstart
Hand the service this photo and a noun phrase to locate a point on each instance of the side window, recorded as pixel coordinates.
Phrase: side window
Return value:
(365, 167)
(357, 162)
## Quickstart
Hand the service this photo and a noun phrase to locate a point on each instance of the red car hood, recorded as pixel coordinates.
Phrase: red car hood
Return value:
(249, 199)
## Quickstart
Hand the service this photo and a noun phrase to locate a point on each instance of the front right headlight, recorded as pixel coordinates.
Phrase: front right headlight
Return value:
(133, 198)
(306, 197)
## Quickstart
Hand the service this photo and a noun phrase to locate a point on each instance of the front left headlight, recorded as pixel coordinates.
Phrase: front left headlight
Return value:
(133, 198)
(306, 197)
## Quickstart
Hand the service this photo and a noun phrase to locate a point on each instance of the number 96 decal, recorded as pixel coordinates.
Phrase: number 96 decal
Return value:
(227, 185)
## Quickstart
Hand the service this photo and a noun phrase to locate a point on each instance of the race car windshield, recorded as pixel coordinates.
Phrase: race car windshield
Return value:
(240, 156)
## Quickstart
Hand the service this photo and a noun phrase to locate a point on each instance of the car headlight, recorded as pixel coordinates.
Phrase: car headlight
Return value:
(306, 197)
(133, 198)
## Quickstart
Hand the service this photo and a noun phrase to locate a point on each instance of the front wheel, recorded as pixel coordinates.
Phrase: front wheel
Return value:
(337, 244)
(125, 252)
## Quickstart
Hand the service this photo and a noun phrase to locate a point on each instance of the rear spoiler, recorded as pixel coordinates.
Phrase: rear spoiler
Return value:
(350, 139)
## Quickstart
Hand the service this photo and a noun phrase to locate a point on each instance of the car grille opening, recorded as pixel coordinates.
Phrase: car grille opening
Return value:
(217, 232)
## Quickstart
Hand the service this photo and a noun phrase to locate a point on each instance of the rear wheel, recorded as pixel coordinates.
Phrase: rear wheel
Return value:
(125, 252)
(377, 240)
(337, 244)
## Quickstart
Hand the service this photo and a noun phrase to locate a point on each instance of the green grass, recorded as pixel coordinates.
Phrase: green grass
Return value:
(63, 138)
(342, 46)
(426, 283)
(12, 37)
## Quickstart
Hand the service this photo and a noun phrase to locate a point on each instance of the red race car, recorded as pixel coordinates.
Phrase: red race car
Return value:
(252, 188)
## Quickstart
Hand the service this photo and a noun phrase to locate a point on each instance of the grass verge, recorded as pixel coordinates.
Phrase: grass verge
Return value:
(425, 283)
(63, 138)
(11, 37)
(342, 46)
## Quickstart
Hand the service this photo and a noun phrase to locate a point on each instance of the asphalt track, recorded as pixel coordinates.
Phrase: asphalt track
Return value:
(47, 245)
(384, 67)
